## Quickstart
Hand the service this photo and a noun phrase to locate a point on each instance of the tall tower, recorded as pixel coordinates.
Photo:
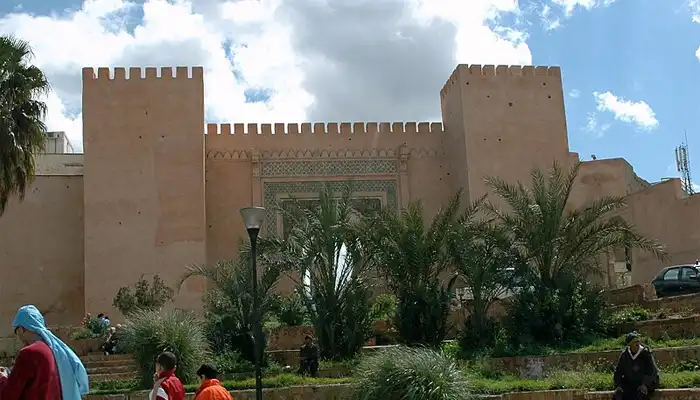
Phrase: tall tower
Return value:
(143, 179)
(502, 121)
(683, 166)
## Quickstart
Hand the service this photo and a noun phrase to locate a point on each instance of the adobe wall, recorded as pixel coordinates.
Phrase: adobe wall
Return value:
(503, 121)
(144, 179)
(41, 245)
(265, 164)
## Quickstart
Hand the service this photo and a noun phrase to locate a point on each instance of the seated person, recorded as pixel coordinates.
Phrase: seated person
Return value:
(636, 374)
(308, 357)
(110, 344)
(210, 387)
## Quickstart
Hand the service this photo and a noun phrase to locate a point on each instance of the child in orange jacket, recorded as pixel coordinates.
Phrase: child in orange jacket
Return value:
(210, 388)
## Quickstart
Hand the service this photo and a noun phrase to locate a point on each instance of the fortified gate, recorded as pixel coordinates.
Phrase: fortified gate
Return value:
(156, 189)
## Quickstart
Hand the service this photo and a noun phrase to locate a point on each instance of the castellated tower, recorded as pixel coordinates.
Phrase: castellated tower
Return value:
(144, 179)
(502, 121)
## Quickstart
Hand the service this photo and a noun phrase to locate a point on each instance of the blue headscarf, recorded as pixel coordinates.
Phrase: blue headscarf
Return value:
(74, 379)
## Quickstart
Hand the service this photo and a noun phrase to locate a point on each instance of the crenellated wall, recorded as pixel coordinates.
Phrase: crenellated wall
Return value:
(157, 189)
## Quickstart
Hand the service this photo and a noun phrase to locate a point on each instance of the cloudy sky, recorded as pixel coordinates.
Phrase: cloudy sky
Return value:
(631, 68)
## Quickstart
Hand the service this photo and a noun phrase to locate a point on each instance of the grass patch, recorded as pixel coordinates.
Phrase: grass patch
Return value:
(583, 380)
(283, 380)
(480, 381)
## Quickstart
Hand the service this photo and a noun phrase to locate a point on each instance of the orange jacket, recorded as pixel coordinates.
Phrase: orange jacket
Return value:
(211, 389)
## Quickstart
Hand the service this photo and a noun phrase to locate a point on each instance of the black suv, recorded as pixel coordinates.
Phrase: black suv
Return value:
(677, 280)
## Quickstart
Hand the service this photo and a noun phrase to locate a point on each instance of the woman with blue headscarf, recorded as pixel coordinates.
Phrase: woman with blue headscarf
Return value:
(45, 368)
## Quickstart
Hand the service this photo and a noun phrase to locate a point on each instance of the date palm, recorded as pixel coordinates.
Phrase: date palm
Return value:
(323, 247)
(559, 242)
(22, 130)
(229, 300)
(413, 258)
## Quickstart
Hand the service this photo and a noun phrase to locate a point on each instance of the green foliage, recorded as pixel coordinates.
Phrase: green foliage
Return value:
(82, 333)
(561, 244)
(144, 297)
(409, 374)
(228, 303)
(323, 245)
(22, 130)
(570, 314)
(384, 307)
(489, 265)
(231, 362)
(147, 333)
(291, 310)
(412, 257)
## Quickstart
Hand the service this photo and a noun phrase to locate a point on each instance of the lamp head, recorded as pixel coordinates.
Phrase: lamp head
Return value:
(253, 217)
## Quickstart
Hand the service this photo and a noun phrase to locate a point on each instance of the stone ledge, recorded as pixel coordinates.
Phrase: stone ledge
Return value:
(537, 366)
(340, 392)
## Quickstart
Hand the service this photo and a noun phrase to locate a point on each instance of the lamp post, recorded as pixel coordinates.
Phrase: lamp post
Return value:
(253, 218)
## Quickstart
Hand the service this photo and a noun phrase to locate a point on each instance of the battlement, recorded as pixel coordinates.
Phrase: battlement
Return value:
(500, 70)
(120, 73)
(321, 128)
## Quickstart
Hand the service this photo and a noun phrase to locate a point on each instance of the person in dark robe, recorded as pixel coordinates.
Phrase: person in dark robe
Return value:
(636, 374)
(308, 357)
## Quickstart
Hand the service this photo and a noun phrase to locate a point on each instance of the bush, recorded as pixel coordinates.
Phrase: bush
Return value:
(145, 296)
(409, 374)
(384, 307)
(537, 316)
(291, 310)
(421, 315)
(478, 342)
(148, 333)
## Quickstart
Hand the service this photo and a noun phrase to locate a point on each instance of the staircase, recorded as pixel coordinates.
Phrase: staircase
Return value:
(113, 368)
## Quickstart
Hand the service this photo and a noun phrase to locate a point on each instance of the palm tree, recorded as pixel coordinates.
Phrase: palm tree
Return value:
(489, 265)
(22, 130)
(560, 243)
(323, 246)
(562, 247)
(413, 258)
(229, 301)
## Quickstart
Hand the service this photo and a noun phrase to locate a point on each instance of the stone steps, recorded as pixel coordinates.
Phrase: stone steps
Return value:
(110, 368)
(123, 376)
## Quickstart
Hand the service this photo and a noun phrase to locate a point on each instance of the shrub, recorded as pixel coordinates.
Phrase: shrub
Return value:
(422, 314)
(145, 296)
(148, 333)
(409, 374)
(384, 307)
(474, 342)
(539, 316)
(291, 310)
(82, 333)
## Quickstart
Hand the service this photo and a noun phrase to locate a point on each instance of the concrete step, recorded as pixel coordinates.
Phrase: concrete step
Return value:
(101, 357)
(101, 364)
(124, 376)
(120, 369)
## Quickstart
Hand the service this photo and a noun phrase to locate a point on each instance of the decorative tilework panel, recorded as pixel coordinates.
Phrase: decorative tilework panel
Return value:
(271, 191)
(307, 168)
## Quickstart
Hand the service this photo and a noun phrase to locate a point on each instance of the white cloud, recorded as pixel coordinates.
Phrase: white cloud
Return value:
(575, 93)
(594, 127)
(318, 60)
(694, 6)
(638, 113)
(551, 18)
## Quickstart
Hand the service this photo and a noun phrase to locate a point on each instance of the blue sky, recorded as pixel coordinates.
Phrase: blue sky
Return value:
(630, 72)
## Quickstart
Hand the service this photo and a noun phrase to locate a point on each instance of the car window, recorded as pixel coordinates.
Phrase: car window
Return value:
(671, 274)
(689, 274)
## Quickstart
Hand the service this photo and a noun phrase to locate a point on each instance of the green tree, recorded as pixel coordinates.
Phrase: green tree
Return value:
(489, 266)
(22, 130)
(557, 241)
(143, 296)
(414, 260)
(562, 246)
(323, 247)
(229, 301)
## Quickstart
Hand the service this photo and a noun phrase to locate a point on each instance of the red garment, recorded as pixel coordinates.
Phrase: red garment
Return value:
(211, 389)
(167, 387)
(34, 375)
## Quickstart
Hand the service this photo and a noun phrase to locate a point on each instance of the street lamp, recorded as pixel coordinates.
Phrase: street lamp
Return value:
(253, 218)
